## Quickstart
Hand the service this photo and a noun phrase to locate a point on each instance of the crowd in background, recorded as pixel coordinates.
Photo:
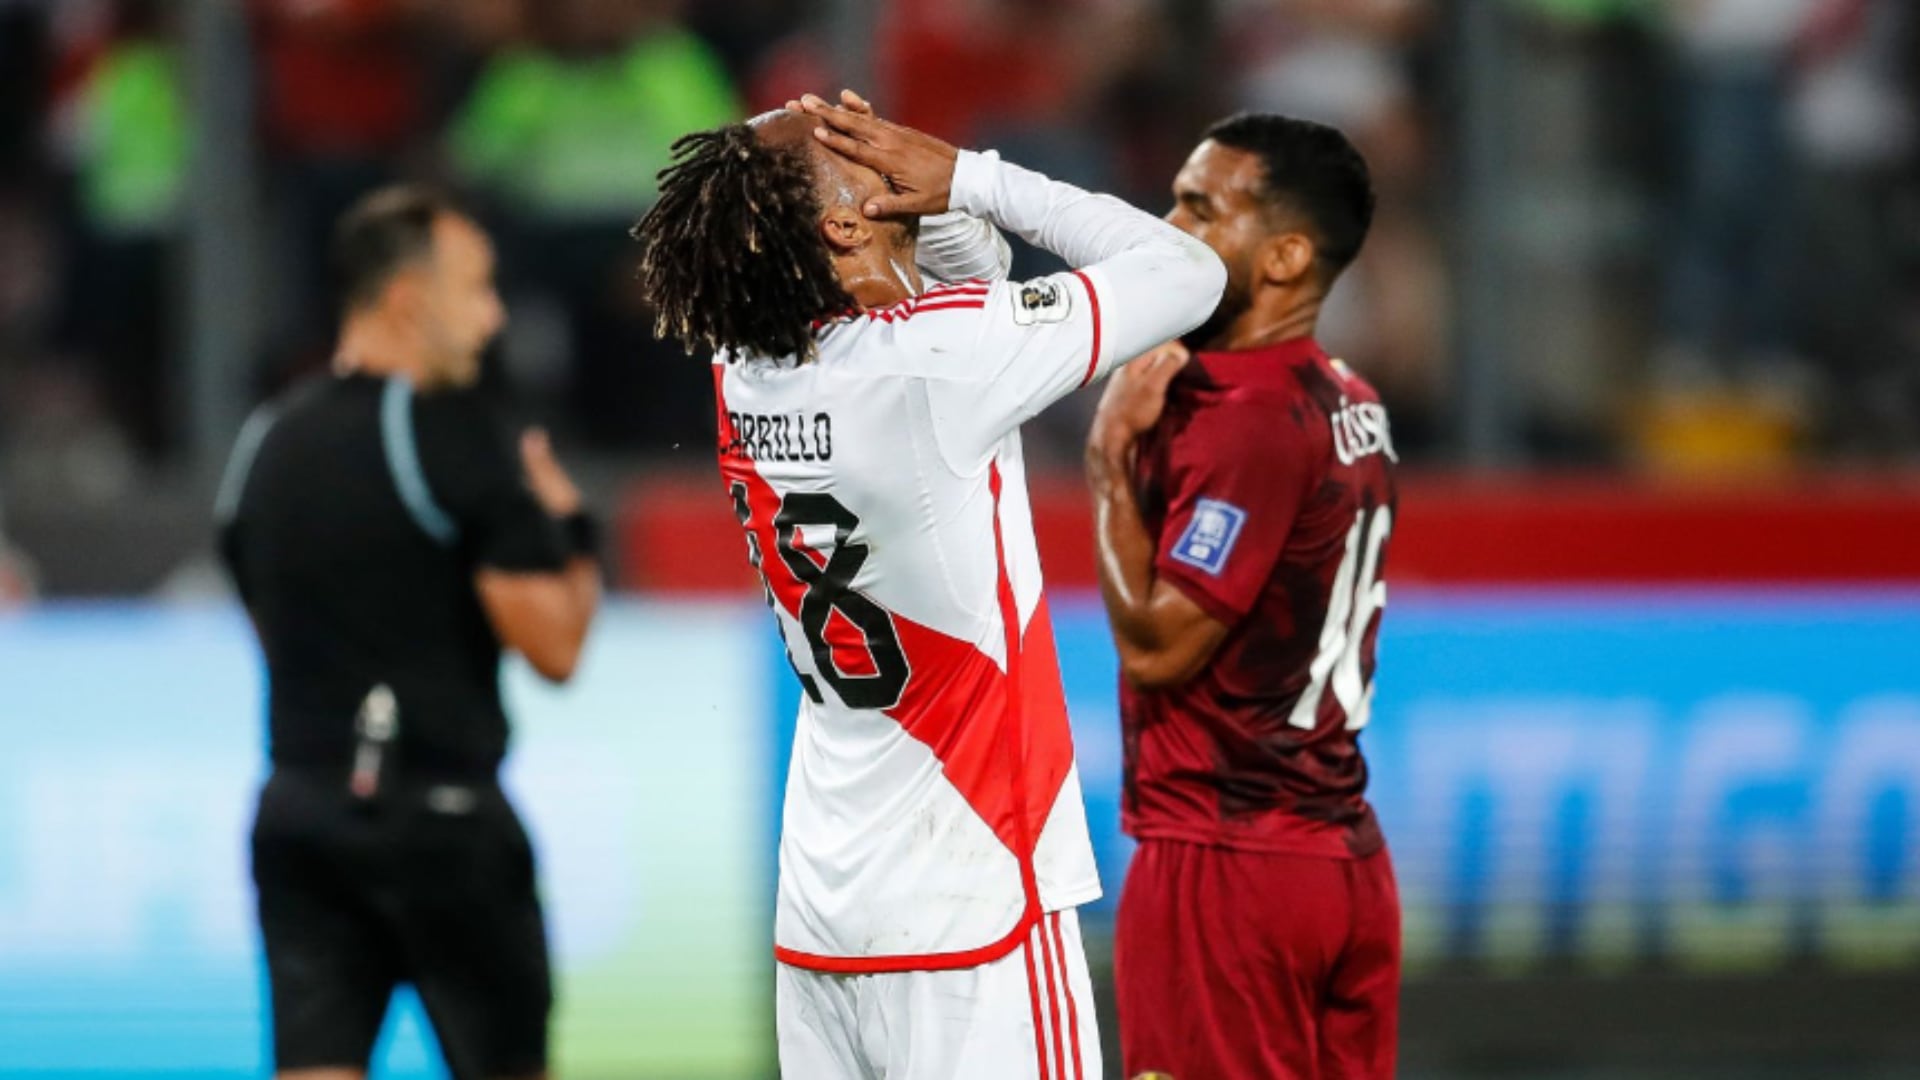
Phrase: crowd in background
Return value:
(1711, 234)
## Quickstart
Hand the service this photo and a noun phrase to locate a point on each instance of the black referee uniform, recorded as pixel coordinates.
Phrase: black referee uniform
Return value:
(353, 518)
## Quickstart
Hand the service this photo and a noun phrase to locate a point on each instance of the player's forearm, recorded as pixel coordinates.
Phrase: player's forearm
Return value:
(1123, 549)
(1163, 639)
(956, 246)
(1079, 226)
(1151, 282)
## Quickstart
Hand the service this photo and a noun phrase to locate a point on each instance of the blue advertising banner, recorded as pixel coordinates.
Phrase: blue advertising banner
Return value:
(1716, 782)
(132, 754)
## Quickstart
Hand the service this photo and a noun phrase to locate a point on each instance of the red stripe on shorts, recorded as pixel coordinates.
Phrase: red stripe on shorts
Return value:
(1073, 1014)
(1033, 994)
(1053, 1002)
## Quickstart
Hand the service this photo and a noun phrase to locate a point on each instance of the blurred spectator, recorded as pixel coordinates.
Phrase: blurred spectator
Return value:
(1042, 81)
(342, 102)
(1852, 121)
(1591, 12)
(1721, 193)
(565, 133)
(1725, 303)
(1012, 57)
(23, 83)
(129, 146)
(1348, 63)
(743, 32)
(800, 63)
(473, 32)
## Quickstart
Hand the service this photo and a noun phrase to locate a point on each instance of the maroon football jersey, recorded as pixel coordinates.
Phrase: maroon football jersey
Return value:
(1268, 484)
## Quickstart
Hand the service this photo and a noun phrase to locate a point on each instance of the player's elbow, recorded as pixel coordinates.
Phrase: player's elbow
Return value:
(1188, 282)
(556, 659)
(1202, 278)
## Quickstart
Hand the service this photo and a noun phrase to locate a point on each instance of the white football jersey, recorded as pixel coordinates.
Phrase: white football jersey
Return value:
(933, 810)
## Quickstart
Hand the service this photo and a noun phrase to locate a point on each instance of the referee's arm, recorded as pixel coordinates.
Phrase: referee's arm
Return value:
(544, 616)
(520, 518)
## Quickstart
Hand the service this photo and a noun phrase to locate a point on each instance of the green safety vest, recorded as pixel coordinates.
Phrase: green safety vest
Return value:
(1590, 12)
(581, 139)
(133, 167)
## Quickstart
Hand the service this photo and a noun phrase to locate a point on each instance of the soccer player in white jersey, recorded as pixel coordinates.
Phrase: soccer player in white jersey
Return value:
(934, 846)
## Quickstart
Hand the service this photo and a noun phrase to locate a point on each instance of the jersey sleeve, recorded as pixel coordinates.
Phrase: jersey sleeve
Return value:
(1231, 504)
(233, 487)
(1039, 341)
(956, 247)
(1139, 282)
(475, 474)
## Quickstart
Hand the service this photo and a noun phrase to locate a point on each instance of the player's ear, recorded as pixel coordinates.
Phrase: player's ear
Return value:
(1287, 259)
(845, 229)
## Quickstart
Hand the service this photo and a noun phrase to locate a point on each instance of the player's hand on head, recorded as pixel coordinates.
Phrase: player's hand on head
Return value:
(1136, 395)
(551, 485)
(918, 168)
(848, 100)
(856, 103)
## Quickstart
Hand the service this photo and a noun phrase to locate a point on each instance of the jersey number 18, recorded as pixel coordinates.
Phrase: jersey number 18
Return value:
(827, 587)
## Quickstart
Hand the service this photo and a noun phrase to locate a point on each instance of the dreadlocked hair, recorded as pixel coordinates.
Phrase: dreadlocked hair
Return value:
(731, 255)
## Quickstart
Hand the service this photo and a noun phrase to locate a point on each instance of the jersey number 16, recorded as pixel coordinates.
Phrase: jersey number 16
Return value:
(1358, 596)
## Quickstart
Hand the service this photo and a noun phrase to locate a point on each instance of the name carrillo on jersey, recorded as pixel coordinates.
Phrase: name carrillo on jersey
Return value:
(781, 436)
(1360, 428)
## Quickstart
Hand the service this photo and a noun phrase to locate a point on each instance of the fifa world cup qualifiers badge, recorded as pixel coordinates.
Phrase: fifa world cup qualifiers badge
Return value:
(1043, 300)
(1210, 535)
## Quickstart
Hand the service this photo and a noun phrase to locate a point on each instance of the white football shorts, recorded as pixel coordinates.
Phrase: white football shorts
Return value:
(1026, 1016)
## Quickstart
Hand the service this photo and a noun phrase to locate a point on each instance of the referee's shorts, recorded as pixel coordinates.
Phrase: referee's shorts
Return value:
(433, 887)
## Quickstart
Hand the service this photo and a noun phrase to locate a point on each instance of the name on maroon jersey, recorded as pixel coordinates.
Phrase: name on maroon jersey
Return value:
(780, 436)
(1360, 428)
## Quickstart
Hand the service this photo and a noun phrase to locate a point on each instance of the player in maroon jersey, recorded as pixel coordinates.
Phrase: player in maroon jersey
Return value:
(1243, 492)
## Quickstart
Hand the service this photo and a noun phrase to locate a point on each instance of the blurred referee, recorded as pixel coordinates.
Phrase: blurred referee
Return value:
(388, 539)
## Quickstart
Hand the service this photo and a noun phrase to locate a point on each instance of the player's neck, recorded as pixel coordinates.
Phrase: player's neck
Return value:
(370, 345)
(1259, 327)
(879, 280)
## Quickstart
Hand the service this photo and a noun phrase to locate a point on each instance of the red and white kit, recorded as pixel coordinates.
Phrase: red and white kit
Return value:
(933, 824)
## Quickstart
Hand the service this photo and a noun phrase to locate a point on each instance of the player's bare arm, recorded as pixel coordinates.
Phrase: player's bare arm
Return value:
(1163, 637)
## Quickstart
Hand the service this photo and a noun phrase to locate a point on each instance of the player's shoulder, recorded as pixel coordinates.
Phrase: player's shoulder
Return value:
(456, 433)
(1317, 394)
(311, 406)
(929, 335)
(1351, 384)
(1214, 420)
(934, 312)
(306, 394)
(454, 412)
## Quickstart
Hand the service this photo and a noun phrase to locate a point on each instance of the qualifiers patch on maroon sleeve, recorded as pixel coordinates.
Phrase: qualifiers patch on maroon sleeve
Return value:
(1210, 535)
